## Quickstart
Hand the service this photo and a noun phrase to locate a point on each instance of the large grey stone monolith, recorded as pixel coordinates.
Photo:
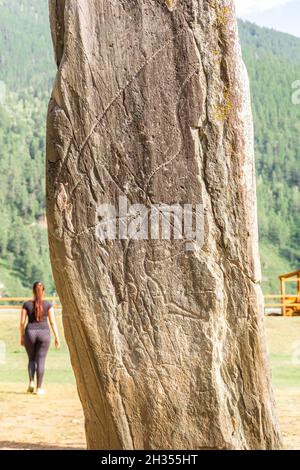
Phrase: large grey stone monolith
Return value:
(151, 103)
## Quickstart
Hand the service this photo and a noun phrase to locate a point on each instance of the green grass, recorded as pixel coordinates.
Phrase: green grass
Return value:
(283, 341)
(286, 376)
(58, 367)
(283, 336)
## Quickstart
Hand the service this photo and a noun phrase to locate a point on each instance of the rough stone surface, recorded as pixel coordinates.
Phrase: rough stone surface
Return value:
(151, 101)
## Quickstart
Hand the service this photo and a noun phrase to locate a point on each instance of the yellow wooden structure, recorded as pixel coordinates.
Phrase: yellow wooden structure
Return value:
(290, 303)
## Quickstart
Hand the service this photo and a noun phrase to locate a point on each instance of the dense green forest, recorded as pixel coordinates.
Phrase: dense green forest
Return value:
(273, 63)
(26, 74)
(26, 58)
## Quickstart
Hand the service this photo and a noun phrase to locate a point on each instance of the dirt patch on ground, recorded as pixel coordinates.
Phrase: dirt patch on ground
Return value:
(288, 411)
(54, 421)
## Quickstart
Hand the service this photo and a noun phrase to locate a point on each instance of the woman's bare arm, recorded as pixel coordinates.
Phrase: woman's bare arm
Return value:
(53, 324)
(22, 325)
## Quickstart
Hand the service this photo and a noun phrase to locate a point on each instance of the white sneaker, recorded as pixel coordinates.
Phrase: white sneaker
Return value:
(40, 391)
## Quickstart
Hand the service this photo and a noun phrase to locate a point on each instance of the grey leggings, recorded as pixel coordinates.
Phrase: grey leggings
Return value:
(37, 342)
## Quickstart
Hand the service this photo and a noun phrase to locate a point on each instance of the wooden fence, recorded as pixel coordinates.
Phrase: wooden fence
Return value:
(14, 303)
(272, 301)
(289, 304)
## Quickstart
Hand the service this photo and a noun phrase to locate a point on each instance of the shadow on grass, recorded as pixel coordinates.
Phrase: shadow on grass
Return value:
(11, 445)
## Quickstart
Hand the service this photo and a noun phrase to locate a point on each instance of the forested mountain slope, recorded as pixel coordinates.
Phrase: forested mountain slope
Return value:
(26, 58)
(26, 74)
(273, 63)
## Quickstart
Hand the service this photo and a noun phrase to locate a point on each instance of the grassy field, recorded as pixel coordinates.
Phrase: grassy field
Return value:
(284, 348)
(55, 421)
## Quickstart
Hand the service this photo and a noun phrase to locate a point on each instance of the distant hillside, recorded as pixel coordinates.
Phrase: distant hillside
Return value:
(273, 63)
(26, 58)
(26, 74)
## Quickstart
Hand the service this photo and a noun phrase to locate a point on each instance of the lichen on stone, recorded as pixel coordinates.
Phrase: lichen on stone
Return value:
(223, 109)
(223, 11)
(170, 4)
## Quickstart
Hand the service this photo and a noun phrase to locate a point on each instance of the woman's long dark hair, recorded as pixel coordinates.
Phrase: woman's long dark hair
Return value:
(38, 292)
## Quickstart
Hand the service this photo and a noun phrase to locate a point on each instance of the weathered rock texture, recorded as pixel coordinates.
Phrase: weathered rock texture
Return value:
(151, 101)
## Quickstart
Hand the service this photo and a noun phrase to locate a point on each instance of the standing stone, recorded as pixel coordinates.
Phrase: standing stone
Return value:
(151, 102)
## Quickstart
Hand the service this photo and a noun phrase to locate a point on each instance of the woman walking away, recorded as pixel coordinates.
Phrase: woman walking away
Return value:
(36, 336)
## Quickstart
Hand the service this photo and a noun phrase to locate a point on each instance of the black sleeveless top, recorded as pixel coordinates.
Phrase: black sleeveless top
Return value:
(32, 323)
